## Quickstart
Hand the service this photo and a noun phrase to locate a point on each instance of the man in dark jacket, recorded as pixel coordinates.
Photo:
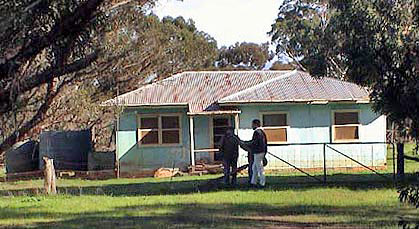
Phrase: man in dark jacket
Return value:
(258, 147)
(230, 150)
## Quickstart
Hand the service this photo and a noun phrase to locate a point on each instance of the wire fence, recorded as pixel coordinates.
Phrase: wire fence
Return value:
(329, 156)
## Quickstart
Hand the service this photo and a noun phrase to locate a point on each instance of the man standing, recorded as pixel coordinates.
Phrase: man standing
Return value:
(230, 151)
(258, 147)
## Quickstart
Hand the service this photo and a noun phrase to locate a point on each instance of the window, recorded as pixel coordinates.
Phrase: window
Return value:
(170, 129)
(159, 130)
(275, 127)
(346, 126)
(149, 130)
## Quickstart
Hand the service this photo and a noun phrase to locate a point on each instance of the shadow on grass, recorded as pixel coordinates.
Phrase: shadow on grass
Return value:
(275, 183)
(218, 216)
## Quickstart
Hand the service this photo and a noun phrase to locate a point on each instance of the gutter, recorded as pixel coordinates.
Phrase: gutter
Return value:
(360, 101)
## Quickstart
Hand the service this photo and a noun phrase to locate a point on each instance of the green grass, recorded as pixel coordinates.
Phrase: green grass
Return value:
(179, 203)
(291, 200)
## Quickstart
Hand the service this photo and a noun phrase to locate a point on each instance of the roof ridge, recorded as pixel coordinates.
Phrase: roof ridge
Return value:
(288, 74)
(177, 75)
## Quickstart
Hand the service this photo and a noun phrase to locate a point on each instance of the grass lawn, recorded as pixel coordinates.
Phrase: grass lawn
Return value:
(290, 200)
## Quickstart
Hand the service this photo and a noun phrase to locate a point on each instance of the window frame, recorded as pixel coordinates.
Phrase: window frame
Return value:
(287, 127)
(346, 125)
(160, 129)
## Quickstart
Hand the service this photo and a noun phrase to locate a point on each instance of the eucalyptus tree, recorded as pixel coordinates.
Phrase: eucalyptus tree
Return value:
(372, 43)
(110, 46)
(45, 45)
(244, 55)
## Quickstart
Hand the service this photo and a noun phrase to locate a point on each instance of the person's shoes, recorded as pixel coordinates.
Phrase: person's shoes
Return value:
(253, 185)
(261, 186)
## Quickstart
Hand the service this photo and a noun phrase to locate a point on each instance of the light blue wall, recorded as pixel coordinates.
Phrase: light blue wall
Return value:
(312, 124)
(308, 124)
(202, 137)
(135, 158)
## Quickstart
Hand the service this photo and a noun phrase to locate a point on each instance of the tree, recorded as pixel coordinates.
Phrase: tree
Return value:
(134, 47)
(372, 43)
(279, 66)
(140, 46)
(137, 49)
(244, 56)
(44, 45)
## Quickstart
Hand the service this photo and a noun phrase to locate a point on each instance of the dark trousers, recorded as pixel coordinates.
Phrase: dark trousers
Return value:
(230, 169)
(250, 161)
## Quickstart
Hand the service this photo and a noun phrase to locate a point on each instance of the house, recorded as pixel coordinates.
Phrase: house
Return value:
(179, 120)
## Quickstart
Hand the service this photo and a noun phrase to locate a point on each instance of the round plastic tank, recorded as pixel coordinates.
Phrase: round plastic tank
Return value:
(69, 149)
(23, 157)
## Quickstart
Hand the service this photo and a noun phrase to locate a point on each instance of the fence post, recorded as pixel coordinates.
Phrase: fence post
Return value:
(324, 163)
(394, 163)
(49, 176)
(400, 161)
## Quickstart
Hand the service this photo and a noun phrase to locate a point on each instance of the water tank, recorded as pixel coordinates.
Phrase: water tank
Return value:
(101, 161)
(69, 149)
(23, 157)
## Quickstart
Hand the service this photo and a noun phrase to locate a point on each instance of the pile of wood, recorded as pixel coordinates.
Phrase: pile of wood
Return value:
(202, 168)
(167, 172)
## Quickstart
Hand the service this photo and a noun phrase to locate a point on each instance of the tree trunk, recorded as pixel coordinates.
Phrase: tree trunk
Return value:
(49, 176)
(400, 161)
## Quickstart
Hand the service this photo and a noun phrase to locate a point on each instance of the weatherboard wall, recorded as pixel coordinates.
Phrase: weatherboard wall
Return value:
(135, 158)
(312, 124)
(307, 124)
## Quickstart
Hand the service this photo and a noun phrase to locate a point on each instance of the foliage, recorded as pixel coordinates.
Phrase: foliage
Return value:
(372, 43)
(410, 195)
(244, 55)
(140, 47)
(278, 66)
(130, 47)
(44, 46)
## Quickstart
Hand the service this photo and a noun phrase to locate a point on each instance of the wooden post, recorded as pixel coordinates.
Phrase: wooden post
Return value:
(236, 124)
(400, 161)
(394, 162)
(116, 134)
(191, 133)
(49, 176)
(324, 164)
(117, 150)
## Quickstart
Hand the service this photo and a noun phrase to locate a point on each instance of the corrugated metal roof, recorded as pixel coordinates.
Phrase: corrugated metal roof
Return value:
(300, 86)
(201, 90)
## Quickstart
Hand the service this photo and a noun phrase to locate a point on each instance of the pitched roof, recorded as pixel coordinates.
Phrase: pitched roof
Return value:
(201, 90)
(300, 86)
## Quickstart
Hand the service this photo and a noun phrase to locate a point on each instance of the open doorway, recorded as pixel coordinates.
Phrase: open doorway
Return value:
(219, 126)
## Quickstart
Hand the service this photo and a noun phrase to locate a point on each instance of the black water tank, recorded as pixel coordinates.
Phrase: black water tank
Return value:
(101, 161)
(69, 149)
(23, 157)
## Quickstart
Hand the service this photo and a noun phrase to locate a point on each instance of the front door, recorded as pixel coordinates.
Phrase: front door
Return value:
(219, 126)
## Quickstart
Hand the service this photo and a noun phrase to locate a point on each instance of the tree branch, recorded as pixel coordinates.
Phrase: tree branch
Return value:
(30, 82)
(36, 119)
(67, 25)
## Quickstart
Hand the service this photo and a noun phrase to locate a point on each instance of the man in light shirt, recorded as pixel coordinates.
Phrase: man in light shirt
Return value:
(258, 148)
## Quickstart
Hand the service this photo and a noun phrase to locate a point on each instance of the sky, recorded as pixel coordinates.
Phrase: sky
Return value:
(228, 21)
